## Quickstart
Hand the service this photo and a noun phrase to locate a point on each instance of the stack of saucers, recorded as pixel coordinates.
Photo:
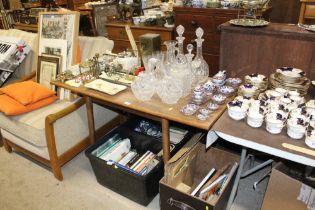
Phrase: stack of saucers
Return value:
(258, 80)
(290, 79)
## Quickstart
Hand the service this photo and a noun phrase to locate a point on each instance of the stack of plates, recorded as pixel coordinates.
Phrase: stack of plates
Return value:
(290, 79)
(258, 80)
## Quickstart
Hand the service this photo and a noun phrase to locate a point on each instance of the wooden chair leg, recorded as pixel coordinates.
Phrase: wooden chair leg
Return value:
(6, 145)
(52, 150)
(1, 139)
(56, 169)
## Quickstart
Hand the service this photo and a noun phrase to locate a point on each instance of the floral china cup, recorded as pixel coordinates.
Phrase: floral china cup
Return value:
(297, 99)
(281, 91)
(296, 127)
(209, 86)
(256, 79)
(237, 110)
(275, 122)
(202, 117)
(226, 90)
(234, 82)
(243, 99)
(298, 112)
(310, 107)
(189, 109)
(205, 112)
(255, 117)
(218, 99)
(248, 90)
(293, 93)
(219, 78)
(212, 106)
(310, 136)
(273, 95)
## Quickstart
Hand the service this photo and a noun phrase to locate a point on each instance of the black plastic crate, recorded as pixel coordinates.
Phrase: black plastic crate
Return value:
(134, 121)
(141, 189)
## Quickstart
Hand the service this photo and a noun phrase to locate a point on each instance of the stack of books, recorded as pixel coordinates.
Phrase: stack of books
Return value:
(117, 151)
(213, 184)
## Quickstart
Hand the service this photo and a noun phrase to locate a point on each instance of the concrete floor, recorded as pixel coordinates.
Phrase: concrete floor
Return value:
(28, 186)
(25, 185)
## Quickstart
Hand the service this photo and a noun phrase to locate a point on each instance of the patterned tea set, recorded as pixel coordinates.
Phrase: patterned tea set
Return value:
(277, 107)
(215, 90)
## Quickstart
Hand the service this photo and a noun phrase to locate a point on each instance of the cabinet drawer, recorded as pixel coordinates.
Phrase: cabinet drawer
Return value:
(192, 22)
(119, 33)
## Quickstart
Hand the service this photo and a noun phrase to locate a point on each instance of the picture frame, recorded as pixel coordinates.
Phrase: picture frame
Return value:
(47, 69)
(58, 35)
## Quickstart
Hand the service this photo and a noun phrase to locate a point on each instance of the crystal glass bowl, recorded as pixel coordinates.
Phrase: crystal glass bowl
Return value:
(143, 87)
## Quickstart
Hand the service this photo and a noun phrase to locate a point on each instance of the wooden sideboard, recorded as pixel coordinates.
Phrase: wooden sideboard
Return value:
(117, 33)
(75, 4)
(208, 19)
(264, 49)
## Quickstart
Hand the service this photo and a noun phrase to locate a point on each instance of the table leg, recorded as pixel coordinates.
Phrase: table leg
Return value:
(166, 140)
(256, 168)
(237, 179)
(90, 117)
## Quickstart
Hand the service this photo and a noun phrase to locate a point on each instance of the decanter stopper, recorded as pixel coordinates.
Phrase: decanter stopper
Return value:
(190, 48)
(180, 31)
(189, 55)
(199, 34)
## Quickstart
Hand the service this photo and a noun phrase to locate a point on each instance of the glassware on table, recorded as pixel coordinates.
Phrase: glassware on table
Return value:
(169, 90)
(180, 68)
(200, 68)
(143, 86)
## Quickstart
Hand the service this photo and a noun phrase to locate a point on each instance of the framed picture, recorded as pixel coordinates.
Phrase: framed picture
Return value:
(58, 35)
(47, 70)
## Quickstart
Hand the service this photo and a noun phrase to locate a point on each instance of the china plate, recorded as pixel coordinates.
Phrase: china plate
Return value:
(105, 87)
(249, 22)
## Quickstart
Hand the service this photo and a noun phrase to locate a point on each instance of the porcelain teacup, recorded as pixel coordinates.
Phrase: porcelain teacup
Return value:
(275, 122)
(310, 136)
(237, 110)
(296, 127)
(255, 117)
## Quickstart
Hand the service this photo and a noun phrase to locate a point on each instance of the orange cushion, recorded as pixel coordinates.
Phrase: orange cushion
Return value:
(9, 106)
(27, 92)
(78, 58)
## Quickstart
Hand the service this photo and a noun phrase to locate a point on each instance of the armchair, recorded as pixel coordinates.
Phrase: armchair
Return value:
(54, 134)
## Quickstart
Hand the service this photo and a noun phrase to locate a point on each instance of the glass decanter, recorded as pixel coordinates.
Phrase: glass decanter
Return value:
(144, 85)
(179, 69)
(169, 90)
(200, 68)
(170, 54)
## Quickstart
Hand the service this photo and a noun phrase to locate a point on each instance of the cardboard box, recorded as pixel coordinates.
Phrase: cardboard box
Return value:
(186, 170)
(285, 192)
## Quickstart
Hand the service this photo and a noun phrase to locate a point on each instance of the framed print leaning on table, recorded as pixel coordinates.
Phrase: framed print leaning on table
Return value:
(58, 35)
(47, 70)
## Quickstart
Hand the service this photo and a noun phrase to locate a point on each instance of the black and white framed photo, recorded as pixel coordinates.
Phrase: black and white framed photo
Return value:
(47, 69)
(58, 35)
